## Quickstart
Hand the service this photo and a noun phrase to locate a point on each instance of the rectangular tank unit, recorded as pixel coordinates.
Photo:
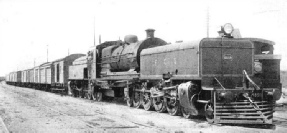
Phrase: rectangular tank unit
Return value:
(225, 59)
(169, 59)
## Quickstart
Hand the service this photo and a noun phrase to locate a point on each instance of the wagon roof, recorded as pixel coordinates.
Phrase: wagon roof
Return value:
(27, 69)
(61, 59)
(171, 47)
(45, 64)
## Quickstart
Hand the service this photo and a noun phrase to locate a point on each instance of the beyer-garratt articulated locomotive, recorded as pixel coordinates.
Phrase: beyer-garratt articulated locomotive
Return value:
(229, 80)
(225, 79)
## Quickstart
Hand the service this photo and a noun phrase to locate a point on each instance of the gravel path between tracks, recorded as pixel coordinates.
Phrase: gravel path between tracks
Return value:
(29, 110)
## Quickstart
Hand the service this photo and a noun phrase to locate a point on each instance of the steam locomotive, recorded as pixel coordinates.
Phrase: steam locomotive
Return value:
(225, 79)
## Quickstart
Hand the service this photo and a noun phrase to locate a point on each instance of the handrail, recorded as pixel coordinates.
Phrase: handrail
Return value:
(250, 80)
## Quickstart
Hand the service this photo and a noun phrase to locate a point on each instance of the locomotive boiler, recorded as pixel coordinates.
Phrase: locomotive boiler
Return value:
(125, 56)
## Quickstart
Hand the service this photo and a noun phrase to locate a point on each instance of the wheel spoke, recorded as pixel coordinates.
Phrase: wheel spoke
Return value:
(159, 104)
(137, 99)
(172, 106)
(147, 101)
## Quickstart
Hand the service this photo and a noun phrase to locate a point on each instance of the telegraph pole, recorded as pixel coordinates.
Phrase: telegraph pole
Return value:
(94, 32)
(207, 22)
(100, 39)
(47, 51)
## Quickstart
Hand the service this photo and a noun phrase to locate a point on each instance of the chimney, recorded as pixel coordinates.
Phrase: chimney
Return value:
(149, 33)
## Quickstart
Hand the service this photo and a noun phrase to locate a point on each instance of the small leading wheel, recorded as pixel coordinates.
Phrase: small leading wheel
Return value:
(172, 106)
(147, 101)
(159, 104)
(137, 99)
(185, 113)
(209, 112)
(99, 96)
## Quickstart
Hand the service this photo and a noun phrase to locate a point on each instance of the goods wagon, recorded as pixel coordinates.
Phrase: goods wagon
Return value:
(18, 77)
(60, 72)
(45, 76)
(31, 77)
(37, 77)
(27, 78)
(23, 78)
(8, 80)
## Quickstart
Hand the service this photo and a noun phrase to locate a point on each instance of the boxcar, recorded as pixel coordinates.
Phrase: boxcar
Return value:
(23, 78)
(36, 77)
(27, 77)
(31, 78)
(45, 76)
(10, 78)
(18, 77)
(60, 72)
(7, 79)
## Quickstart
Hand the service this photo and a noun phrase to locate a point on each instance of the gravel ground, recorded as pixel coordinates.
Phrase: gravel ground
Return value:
(29, 110)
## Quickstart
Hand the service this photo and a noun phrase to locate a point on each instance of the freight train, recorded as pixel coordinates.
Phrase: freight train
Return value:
(226, 79)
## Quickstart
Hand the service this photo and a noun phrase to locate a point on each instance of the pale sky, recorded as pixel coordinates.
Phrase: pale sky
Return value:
(29, 27)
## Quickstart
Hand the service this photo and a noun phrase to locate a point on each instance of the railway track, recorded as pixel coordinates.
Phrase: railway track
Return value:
(76, 114)
(35, 99)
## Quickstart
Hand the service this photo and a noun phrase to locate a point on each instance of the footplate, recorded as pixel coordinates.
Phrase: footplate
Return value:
(243, 112)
